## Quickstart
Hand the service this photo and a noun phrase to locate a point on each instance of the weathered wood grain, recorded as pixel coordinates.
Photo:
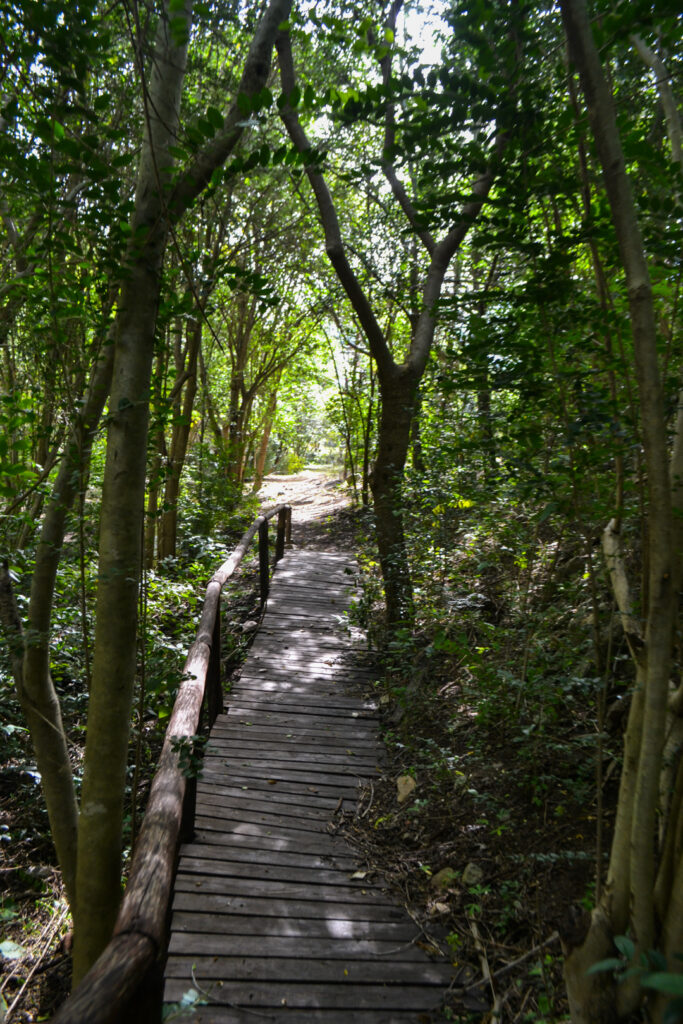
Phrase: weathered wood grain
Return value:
(268, 918)
(287, 909)
(396, 934)
(351, 964)
(347, 994)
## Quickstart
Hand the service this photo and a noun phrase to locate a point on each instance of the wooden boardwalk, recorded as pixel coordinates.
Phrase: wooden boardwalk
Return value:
(268, 921)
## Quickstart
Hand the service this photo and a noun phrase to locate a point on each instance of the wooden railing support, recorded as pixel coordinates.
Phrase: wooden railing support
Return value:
(125, 985)
(282, 527)
(264, 573)
(214, 689)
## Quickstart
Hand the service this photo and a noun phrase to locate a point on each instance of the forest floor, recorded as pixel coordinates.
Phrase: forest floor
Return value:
(492, 853)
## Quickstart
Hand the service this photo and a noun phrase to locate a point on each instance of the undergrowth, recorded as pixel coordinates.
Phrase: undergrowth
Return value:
(501, 702)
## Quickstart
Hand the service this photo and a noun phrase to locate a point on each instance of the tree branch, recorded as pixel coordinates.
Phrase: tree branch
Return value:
(334, 245)
(254, 78)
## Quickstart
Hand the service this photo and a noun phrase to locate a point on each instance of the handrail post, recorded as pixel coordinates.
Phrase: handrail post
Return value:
(288, 531)
(263, 560)
(281, 532)
(214, 690)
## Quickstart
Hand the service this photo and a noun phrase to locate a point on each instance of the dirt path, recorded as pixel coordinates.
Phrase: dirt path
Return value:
(321, 517)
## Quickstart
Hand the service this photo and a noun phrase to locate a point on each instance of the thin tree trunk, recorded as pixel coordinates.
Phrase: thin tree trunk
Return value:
(260, 461)
(660, 602)
(179, 444)
(31, 657)
(397, 381)
(398, 398)
(98, 883)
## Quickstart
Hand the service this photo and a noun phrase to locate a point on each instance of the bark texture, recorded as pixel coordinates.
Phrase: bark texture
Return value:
(100, 830)
(629, 894)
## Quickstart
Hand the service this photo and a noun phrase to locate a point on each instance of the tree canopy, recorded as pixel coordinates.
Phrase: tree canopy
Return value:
(435, 244)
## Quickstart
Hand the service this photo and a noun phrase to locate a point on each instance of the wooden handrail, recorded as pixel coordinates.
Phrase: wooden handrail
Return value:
(126, 982)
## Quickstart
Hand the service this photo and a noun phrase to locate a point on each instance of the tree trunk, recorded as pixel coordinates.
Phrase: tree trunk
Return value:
(260, 461)
(179, 444)
(397, 381)
(31, 657)
(631, 882)
(98, 883)
(367, 435)
(398, 398)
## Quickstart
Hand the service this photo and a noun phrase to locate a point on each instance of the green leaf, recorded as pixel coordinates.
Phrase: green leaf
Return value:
(59, 130)
(214, 115)
(666, 982)
(611, 964)
(625, 946)
(11, 950)
(179, 31)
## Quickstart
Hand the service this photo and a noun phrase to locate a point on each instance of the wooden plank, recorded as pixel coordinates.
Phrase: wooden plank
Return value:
(392, 933)
(360, 761)
(254, 857)
(292, 729)
(256, 783)
(229, 807)
(345, 995)
(244, 815)
(233, 905)
(227, 1015)
(274, 872)
(287, 837)
(247, 728)
(250, 837)
(274, 646)
(291, 735)
(317, 893)
(266, 788)
(358, 669)
(309, 774)
(347, 970)
(320, 947)
(282, 718)
(317, 665)
(336, 703)
(293, 746)
(269, 801)
(314, 703)
(304, 711)
(362, 725)
(301, 785)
